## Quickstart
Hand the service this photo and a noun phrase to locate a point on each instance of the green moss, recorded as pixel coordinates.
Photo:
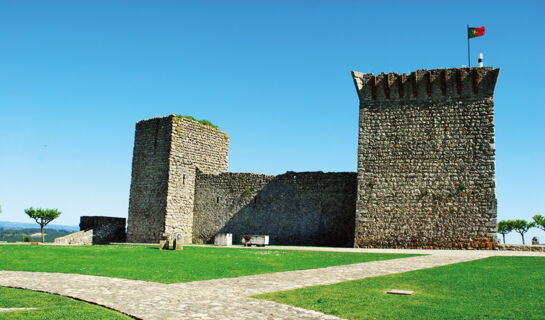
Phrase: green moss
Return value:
(203, 122)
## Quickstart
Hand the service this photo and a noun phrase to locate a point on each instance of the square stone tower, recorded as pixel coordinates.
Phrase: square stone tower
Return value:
(167, 153)
(426, 159)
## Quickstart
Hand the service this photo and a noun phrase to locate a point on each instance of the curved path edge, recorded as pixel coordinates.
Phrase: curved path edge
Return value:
(227, 298)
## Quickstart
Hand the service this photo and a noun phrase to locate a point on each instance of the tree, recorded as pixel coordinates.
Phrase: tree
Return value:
(43, 216)
(539, 221)
(522, 226)
(504, 227)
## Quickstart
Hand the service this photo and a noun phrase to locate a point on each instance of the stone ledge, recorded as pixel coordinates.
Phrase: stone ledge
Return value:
(522, 247)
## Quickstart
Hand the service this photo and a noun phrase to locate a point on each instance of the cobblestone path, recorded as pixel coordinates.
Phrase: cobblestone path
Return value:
(226, 298)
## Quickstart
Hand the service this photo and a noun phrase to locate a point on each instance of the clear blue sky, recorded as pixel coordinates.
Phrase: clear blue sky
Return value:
(75, 77)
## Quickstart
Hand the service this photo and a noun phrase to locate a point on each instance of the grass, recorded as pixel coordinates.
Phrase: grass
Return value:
(50, 306)
(191, 264)
(203, 122)
(493, 288)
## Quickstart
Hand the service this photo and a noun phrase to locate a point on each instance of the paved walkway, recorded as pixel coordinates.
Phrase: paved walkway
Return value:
(228, 298)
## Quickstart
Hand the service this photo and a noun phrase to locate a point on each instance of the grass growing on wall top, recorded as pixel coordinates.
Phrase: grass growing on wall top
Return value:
(190, 264)
(493, 288)
(203, 122)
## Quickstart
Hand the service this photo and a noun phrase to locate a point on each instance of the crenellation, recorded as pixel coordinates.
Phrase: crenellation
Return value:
(432, 85)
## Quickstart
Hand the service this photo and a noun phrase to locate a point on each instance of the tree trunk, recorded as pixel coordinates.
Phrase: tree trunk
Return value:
(522, 235)
(503, 234)
(42, 227)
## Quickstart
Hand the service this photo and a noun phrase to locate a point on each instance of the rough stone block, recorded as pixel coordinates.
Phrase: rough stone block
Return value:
(223, 239)
(257, 240)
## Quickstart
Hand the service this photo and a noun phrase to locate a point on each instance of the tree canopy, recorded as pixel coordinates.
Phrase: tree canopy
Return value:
(504, 227)
(42, 216)
(522, 226)
(539, 221)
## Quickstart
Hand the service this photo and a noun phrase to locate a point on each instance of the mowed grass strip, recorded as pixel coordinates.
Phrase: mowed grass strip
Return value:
(493, 288)
(190, 264)
(50, 307)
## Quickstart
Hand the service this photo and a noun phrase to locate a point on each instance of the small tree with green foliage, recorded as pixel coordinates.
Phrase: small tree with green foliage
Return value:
(522, 226)
(43, 217)
(539, 221)
(504, 227)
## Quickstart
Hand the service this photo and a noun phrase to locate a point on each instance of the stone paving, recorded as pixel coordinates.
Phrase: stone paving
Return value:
(15, 309)
(228, 298)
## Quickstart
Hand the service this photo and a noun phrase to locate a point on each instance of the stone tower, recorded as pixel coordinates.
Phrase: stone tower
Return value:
(167, 153)
(426, 159)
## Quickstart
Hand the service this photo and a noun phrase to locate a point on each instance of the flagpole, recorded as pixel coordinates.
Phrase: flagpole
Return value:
(468, 56)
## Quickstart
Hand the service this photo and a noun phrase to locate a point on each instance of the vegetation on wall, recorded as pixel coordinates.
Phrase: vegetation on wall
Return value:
(203, 122)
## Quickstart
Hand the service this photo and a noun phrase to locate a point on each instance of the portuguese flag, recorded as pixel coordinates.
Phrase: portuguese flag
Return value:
(475, 32)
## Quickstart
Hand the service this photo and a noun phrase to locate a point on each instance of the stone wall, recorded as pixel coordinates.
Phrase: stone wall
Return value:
(106, 229)
(167, 153)
(80, 238)
(426, 159)
(149, 180)
(306, 208)
(522, 247)
(96, 230)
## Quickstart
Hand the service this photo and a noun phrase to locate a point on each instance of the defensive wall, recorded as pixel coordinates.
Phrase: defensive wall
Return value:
(425, 175)
(296, 208)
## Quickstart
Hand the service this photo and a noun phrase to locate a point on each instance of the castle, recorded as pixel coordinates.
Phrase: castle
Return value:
(425, 176)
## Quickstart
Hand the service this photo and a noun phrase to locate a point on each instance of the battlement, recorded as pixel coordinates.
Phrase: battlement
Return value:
(436, 84)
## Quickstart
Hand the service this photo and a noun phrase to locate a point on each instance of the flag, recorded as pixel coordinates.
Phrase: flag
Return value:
(475, 32)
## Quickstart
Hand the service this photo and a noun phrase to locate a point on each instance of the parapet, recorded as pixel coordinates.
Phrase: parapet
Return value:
(436, 84)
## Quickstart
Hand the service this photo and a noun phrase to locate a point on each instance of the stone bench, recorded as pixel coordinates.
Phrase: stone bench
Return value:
(258, 240)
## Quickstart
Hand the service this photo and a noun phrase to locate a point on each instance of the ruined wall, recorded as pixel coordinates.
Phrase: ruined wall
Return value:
(105, 229)
(96, 230)
(167, 153)
(426, 159)
(306, 208)
(149, 180)
(194, 147)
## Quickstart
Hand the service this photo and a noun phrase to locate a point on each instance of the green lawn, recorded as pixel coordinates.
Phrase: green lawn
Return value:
(493, 288)
(50, 306)
(191, 264)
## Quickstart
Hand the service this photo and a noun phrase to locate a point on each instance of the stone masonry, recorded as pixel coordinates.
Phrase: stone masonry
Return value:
(425, 176)
(305, 208)
(426, 159)
(167, 154)
(96, 230)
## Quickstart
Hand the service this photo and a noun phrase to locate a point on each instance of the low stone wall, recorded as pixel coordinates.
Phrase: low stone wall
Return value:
(305, 208)
(96, 230)
(76, 238)
(522, 247)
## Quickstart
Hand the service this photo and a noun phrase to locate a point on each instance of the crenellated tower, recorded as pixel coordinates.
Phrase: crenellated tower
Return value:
(426, 159)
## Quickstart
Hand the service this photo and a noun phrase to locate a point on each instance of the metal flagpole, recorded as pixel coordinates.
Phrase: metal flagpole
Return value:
(468, 56)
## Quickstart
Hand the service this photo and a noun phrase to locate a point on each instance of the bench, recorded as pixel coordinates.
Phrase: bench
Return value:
(253, 239)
